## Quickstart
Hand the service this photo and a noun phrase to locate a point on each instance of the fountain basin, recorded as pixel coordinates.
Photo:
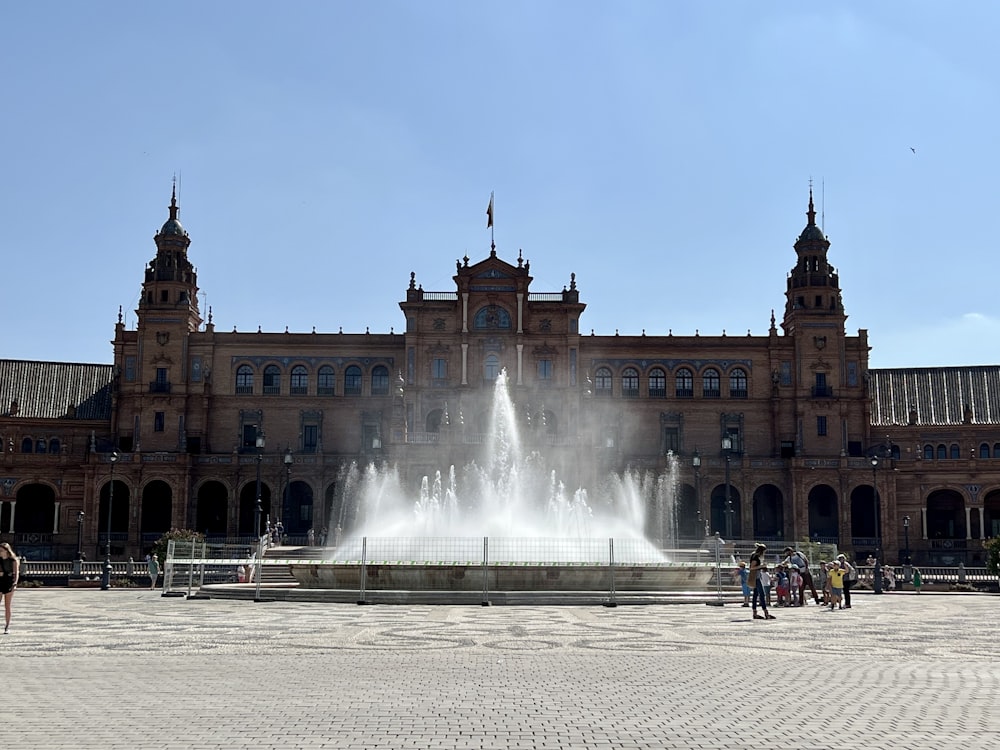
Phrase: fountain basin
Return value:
(504, 576)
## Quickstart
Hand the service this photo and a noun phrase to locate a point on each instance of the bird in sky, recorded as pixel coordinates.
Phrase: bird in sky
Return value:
(913, 149)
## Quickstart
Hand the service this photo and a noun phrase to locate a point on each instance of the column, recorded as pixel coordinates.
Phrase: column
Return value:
(923, 523)
(465, 364)
(520, 312)
(968, 522)
(55, 519)
(520, 351)
(465, 312)
(982, 522)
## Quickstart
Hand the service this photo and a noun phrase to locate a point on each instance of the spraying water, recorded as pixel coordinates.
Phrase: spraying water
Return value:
(512, 495)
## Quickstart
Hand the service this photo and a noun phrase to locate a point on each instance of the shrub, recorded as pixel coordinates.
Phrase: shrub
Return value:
(178, 535)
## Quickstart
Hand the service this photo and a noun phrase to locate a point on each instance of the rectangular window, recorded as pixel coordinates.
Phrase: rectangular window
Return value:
(821, 426)
(249, 436)
(158, 420)
(671, 440)
(787, 449)
(130, 369)
(310, 438)
(439, 369)
(545, 370)
(572, 367)
(852, 373)
(786, 373)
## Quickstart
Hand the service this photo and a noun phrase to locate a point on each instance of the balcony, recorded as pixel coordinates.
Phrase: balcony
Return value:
(158, 386)
(822, 391)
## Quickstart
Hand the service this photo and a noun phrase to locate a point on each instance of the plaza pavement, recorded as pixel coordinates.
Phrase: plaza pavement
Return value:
(129, 669)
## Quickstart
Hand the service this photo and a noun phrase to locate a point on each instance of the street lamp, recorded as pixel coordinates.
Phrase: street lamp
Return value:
(106, 577)
(906, 540)
(288, 459)
(78, 563)
(727, 446)
(877, 573)
(696, 463)
(258, 509)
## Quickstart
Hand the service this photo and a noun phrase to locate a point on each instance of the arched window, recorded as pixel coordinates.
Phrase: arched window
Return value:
(602, 382)
(738, 383)
(929, 452)
(27, 445)
(711, 384)
(942, 452)
(657, 383)
(244, 380)
(996, 450)
(41, 446)
(984, 450)
(300, 381)
(272, 380)
(325, 381)
(380, 381)
(54, 445)
(684, 383)
(955, 452)
(491, 317)
(491, 367)
(630, 383)
(352, 381)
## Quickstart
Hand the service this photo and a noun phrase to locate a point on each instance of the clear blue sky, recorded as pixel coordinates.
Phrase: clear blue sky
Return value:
(662, 151)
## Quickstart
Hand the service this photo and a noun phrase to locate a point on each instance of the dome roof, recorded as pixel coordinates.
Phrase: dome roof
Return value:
(812, 232)
(173, 227)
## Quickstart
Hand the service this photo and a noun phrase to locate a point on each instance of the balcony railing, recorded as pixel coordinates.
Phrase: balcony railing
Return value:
(158, 386)
(822, 391)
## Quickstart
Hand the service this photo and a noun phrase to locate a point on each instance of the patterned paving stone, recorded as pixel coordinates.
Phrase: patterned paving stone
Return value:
(132, 669)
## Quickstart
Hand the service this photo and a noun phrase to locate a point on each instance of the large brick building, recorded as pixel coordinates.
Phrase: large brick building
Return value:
(789, 421)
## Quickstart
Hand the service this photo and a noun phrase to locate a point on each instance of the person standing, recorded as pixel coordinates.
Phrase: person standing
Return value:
(10, 572)
(756, 584)
(836, 576)
(743, 576)
(798, 560)
(153, 567)
(850, 578)
(917, 580)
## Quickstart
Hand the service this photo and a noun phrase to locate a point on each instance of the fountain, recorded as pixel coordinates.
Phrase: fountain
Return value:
(508, 524)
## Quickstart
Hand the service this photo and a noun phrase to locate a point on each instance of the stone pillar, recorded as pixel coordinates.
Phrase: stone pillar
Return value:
(465, 364)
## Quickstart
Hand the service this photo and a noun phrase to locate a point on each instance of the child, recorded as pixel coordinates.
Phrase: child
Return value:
(794, 587)
(782, 585)
(743, 575)
(836, 576)
(765, 581)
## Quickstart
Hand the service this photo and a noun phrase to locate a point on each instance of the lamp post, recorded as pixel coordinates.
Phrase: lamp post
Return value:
(288, 460)
(877, 573)
(106, 576)
(78, 563)
(258, 509)
(906, 540)
(696, 464)
(727, 446)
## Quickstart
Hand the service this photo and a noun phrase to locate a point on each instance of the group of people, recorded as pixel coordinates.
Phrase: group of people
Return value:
(791, 579)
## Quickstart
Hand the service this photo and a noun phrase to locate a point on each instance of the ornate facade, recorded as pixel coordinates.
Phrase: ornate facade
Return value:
(773, 436)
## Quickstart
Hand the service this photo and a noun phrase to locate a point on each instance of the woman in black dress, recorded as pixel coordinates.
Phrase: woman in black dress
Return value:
(10, 569)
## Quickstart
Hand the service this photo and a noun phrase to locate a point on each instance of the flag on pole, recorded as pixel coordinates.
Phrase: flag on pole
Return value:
(489, 212)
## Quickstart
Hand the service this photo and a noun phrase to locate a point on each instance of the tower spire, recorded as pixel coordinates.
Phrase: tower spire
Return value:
(811, 213)
(173, 200)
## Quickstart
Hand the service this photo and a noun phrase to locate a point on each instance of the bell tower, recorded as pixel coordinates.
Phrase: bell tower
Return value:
(171, 284)
(813, 296)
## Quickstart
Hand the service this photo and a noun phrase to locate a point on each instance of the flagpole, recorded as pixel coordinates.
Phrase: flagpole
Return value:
(489, 222)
